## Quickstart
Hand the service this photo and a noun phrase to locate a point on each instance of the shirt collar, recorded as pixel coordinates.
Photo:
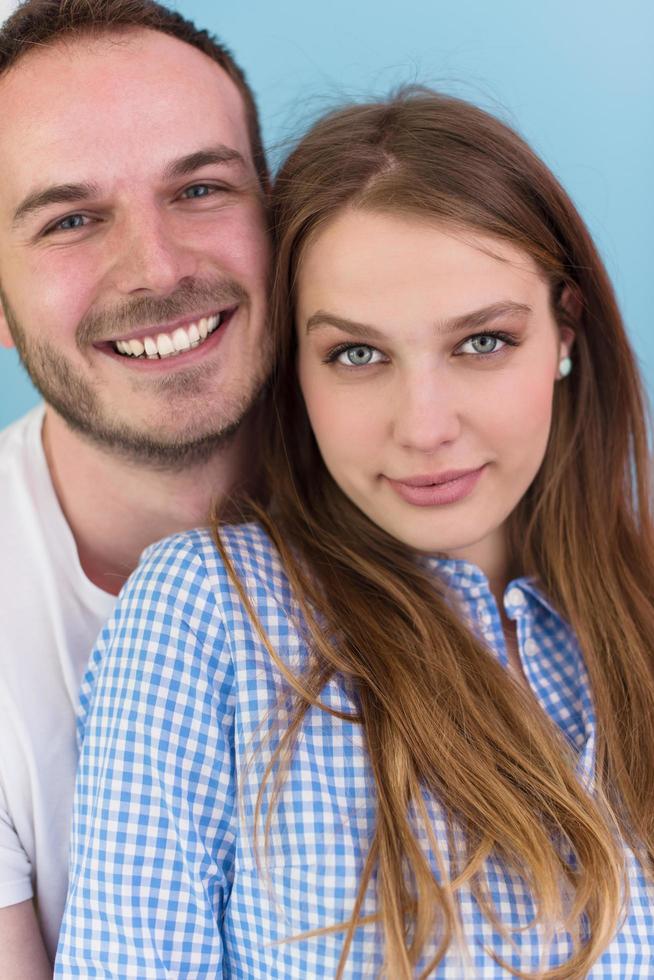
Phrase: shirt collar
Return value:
(469, 583)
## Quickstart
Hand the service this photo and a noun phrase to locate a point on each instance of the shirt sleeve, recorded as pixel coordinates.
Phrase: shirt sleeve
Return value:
(152, 849)
(15, 866)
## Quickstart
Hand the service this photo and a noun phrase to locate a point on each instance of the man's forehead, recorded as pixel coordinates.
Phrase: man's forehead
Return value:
(106, 61)
(98, 43)
(135, 100)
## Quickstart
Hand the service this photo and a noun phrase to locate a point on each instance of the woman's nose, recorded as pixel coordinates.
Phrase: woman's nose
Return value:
(426, 415)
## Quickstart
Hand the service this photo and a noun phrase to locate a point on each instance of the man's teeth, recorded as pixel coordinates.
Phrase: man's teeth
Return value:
(168, 344)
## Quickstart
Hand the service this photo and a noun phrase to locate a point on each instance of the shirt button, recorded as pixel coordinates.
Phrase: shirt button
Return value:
(531, 648)
(515, 597)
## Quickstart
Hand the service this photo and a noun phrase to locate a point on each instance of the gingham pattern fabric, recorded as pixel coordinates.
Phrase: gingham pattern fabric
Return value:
(165, 881)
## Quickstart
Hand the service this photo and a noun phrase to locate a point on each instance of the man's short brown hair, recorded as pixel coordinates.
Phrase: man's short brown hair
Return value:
(39, 22)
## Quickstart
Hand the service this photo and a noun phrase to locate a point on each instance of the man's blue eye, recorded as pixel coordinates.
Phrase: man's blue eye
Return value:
(198, 190)
(71, 222)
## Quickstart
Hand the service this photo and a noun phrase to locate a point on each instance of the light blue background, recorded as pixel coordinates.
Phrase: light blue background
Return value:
(576, 77)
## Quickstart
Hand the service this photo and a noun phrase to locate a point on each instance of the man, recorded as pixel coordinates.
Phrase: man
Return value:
(133, 273)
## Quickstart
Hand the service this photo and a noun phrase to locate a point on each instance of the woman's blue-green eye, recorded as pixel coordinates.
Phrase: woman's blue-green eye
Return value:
(357, 356)
(482, 344)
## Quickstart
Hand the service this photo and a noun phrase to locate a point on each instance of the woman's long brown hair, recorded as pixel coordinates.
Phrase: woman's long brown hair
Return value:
(437, 710)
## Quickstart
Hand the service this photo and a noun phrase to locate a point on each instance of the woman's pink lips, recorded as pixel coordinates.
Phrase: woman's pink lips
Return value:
(449, 491)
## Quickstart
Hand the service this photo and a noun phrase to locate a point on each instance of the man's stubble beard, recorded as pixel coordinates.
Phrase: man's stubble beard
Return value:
(72, 397)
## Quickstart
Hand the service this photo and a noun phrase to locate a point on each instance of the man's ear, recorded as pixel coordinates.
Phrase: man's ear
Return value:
(6, 340)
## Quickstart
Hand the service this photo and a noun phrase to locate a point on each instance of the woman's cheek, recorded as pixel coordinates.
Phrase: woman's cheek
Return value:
(526, 420)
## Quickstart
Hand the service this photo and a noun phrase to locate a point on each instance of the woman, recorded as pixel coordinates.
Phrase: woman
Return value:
(401, 722)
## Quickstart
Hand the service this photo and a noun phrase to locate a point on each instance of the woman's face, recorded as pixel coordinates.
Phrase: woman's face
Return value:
(427, 359)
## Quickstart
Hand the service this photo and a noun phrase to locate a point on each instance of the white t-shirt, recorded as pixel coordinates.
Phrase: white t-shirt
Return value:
(50, 615)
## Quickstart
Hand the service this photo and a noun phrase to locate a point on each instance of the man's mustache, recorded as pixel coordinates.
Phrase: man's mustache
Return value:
(190, 298)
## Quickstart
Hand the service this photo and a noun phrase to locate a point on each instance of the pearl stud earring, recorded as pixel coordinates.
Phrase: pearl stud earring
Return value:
(565, 367)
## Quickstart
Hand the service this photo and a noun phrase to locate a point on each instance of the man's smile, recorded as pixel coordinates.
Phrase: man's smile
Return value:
(157, 343)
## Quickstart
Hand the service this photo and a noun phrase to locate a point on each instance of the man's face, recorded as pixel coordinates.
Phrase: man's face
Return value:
(133, 245)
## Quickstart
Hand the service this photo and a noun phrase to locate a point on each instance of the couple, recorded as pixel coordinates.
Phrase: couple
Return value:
(395, 704)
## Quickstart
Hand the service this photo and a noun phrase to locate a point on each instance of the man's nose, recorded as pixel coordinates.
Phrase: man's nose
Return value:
(426, 412)
(149, 258)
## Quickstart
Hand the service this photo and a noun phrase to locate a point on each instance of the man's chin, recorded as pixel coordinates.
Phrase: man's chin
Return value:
(193, 434)
(174, 452)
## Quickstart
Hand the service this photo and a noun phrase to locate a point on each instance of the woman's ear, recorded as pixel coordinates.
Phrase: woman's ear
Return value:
(570, 304)
(570, 309)
(566, 341)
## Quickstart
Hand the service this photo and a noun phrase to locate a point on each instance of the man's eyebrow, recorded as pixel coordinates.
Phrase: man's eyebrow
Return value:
(56, 194)
(203, 158)
(467, 321)
(74, 193)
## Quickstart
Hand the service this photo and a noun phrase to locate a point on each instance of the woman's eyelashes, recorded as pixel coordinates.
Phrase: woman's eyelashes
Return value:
(486, 344)
(479, 346)
(354, 355)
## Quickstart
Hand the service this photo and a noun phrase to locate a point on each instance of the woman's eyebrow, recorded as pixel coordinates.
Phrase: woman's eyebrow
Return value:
(484, 315)
(466, 321)
(323, 319)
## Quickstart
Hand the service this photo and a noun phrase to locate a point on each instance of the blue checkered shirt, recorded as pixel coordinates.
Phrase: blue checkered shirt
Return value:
(165, 880)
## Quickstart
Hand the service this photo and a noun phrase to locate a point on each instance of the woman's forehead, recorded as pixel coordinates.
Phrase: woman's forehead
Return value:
(370, 259)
